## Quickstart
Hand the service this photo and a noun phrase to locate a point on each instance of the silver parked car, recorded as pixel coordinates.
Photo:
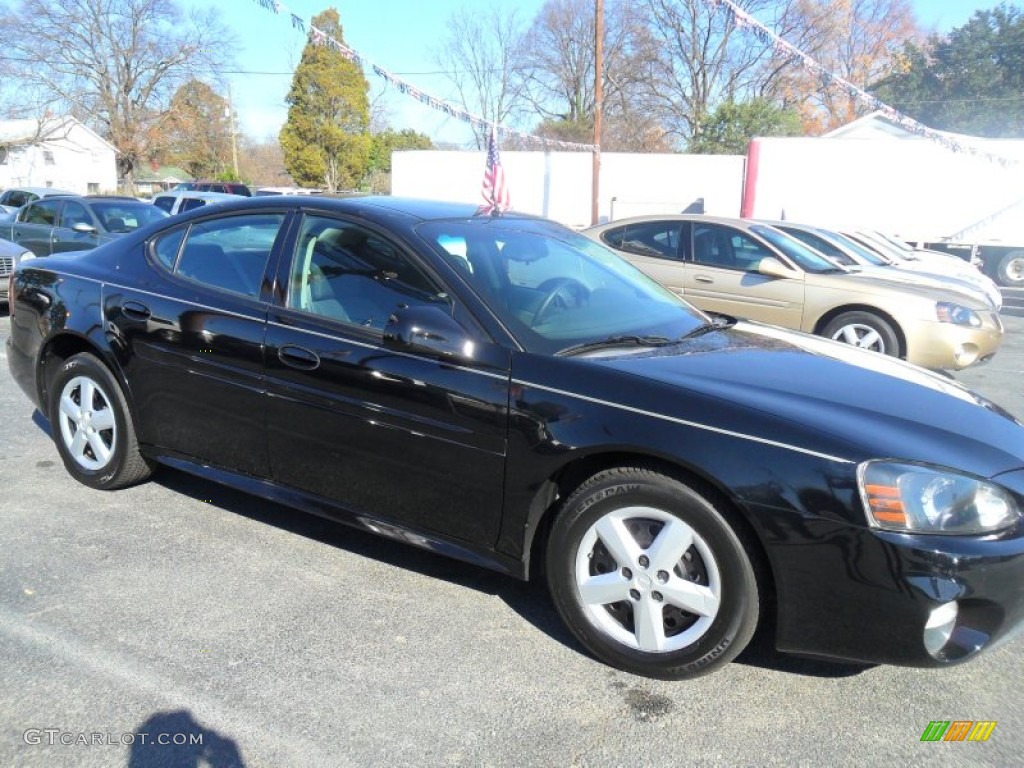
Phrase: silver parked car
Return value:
(850, 253)
(12, 199)
(11, 255)
(181, 200)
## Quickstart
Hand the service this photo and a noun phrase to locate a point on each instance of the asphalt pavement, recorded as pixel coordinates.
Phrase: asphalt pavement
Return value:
(135, 623)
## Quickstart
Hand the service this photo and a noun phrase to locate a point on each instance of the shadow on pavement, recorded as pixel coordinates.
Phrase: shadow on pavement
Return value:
(176, 740)
(528, 599)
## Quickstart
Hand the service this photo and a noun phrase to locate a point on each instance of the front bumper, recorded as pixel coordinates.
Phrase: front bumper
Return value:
(865, 595)
(952, 347)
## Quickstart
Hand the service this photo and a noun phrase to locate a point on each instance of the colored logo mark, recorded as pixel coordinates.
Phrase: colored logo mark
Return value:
(958, 730)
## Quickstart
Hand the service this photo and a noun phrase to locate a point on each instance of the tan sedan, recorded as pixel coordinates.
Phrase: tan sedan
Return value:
(755, 271)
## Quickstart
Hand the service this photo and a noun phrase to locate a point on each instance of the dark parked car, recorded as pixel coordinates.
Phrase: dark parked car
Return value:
(58, 224)
(225, 187)
(506, 391)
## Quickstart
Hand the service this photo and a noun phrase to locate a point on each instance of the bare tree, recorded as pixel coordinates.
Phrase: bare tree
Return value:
(558, 67)
(703, 59)
(857, 40)
(112, 63)
(480, 55)
(261, 163)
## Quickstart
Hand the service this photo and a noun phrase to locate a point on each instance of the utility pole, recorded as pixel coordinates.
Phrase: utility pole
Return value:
(598, 98)
(231, 125)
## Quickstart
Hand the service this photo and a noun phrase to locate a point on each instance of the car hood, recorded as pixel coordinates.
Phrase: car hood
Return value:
(933, 280)
(875, 283)
(846, 401)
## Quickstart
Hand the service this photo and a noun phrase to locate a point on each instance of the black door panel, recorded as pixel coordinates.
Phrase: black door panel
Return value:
(410, 439)
(196, 374)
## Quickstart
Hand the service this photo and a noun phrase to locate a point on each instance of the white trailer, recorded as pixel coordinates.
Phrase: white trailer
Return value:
(909, 186)
(557, 185)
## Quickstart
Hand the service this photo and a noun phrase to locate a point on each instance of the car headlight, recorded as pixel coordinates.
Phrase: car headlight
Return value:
(921, 499)
(948, 312)
(22, 258)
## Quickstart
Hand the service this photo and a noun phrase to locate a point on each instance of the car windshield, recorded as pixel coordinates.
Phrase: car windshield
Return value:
(883, 249)
(555, 289)
(806, 258)
(865, 253)
(125, 216)
(894, 242)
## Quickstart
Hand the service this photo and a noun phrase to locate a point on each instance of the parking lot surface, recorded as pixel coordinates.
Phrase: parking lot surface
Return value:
(189, 612)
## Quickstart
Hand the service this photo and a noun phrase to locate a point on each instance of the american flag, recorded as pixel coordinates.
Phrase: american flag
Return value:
(496, 197)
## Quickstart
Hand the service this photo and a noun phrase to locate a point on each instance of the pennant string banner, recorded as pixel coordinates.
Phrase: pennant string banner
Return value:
(319, 37)
(743, 20)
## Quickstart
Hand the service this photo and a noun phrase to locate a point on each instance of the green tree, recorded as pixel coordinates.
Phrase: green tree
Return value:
(378, 173)
(384, 143)
(729, 129)
(197, 132)
(326, 140)
(971, 81)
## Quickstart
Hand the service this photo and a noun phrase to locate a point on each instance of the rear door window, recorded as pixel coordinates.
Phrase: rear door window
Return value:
(44, 212)
(230, 253)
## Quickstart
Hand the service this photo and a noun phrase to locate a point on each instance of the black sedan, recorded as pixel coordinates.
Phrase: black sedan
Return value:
(70, 223)
(508, 392)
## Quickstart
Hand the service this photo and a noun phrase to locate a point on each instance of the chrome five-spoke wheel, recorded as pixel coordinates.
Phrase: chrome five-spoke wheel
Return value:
(87, 424)
(651, 575)
(647, 579)
(92, 425)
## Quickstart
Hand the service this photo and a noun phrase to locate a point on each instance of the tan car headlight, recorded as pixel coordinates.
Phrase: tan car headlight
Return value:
(921, 499)
(948, 312)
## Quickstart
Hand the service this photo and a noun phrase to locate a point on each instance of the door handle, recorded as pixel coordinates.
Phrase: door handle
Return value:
(135, 310)
(298, 357)
(703, 279)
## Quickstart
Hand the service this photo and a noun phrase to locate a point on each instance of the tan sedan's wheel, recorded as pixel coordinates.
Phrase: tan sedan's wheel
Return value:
(864, 330)
(650, 577)
(92, 426)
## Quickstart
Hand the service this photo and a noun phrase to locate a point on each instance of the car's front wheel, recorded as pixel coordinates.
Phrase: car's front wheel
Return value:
(864, 330)
(93, 427)
(650, 577)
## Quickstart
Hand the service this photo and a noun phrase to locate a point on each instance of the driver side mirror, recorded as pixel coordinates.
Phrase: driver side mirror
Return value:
(428, 331)
(83, 228)
(772, 267)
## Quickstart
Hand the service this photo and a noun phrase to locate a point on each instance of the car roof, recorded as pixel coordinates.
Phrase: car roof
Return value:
(196, 194)
(695, 217)
(367, 205)
(41, 191)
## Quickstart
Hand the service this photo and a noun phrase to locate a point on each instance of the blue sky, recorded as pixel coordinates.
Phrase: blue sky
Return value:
(401, 36)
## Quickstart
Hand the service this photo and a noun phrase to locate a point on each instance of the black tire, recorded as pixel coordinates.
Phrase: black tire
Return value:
(654, 512)
(864, 330)
(95, 439)
(1010, 270)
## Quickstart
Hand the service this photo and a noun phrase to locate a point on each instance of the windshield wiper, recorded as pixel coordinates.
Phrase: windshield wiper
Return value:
(615, 341)
(718, 322)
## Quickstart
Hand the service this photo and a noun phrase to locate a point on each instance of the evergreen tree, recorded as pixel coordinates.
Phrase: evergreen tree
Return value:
(971, 81)
(729, 129)
(326, 139)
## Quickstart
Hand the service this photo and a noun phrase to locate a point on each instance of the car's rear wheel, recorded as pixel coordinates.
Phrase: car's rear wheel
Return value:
(864, 330)
(93, 427)
(649, 575)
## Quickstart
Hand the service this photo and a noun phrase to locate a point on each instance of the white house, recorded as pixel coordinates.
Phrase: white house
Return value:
(56, 152)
